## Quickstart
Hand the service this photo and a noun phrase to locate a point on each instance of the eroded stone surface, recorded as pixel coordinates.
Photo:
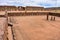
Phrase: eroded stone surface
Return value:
(2, 27)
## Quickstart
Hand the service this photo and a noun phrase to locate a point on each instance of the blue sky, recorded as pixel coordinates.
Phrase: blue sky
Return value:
(44, 3)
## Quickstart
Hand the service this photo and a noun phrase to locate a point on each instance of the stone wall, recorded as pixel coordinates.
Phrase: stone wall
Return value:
(34, 8)
(27, 8)
(52, 9)
(8, 8)
(20, 8)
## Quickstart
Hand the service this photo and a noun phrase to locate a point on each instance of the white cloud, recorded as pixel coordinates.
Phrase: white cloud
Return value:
(45, 3)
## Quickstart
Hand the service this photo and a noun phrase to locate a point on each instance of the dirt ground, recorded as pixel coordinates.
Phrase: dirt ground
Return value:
(36, 28)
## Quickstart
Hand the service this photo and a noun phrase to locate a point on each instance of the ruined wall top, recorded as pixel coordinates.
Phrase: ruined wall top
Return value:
(21, 8)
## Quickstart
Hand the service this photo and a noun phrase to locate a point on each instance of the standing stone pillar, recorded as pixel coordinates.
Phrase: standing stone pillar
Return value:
(54, 18)
(47, 16)
(51, 18)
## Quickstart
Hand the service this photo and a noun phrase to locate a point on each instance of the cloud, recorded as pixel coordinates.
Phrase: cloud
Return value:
(45, 3)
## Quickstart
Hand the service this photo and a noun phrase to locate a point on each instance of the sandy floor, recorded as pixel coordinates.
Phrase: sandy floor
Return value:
(36, 28)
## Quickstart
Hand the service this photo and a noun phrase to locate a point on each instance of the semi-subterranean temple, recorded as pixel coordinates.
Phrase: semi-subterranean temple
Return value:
(29, 23)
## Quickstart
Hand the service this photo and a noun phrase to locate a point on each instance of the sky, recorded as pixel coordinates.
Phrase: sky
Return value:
(43, 3)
